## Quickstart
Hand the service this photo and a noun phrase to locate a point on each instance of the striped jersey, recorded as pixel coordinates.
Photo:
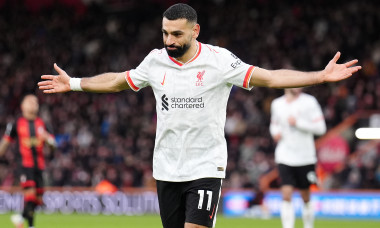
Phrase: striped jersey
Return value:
(30, 142)
(296, 146)
(191, 100)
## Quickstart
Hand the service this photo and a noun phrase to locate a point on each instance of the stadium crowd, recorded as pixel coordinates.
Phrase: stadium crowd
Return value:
(111, 136)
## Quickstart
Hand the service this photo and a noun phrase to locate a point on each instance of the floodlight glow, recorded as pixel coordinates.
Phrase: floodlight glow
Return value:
(368, 133)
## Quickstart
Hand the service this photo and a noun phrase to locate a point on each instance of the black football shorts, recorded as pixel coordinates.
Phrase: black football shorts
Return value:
(189, 202)
(297, 176)
(31, 178)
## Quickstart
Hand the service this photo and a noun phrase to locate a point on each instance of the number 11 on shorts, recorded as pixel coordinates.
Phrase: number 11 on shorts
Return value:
(201, 194)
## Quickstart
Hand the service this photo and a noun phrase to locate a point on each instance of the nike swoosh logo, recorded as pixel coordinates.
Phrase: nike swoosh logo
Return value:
(212, 212)
(163, 81)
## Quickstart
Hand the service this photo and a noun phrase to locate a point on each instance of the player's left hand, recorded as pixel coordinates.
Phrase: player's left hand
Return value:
(335, 72)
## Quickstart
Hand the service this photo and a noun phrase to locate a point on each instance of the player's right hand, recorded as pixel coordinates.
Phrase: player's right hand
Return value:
(292, 121)
(55, 83)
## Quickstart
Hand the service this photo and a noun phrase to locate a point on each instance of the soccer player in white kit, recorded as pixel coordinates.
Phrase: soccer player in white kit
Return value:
(295, 118)
(191, 82)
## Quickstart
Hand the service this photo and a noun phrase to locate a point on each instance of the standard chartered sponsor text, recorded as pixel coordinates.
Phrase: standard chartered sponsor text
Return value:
(188, 102)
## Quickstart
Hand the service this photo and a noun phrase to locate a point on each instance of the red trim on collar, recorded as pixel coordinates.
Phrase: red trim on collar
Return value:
(175, 61)
(199, 52)
(196, 56)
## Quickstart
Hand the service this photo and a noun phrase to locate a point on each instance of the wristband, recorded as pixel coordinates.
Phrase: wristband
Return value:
(75, 84)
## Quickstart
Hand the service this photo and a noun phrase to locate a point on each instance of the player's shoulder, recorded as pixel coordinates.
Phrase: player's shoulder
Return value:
(308, 97)
(154, 56)
(40, 120)
(308, 100)
(221, 56)
(209, 48)
(278, 101)
(156, 53)
(20, 120)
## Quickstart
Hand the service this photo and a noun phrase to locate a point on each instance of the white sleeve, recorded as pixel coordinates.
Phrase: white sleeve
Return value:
(139, 78)
(314, 121)
(235, 71)
(274, 127)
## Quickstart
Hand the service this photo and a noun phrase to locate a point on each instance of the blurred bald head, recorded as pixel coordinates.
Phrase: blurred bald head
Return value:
(30, 106)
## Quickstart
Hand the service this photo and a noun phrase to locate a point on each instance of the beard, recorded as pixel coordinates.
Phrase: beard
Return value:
(179, 51)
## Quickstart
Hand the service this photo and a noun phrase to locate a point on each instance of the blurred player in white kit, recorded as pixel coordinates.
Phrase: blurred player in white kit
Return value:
(295, 118)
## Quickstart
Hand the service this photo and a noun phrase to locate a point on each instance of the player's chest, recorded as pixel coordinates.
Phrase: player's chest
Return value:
(30, 133)
(26, 129)
(294, 109)
(185, 80)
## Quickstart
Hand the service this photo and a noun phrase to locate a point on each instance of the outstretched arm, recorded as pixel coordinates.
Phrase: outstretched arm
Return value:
(3, 146)
(274, 126)
(333, 72)
(103, 83)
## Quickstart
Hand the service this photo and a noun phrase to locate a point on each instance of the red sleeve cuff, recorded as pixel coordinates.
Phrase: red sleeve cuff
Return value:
(130, 82)
(248, 77)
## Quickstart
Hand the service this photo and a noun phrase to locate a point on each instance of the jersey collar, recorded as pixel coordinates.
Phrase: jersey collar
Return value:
(192, 59)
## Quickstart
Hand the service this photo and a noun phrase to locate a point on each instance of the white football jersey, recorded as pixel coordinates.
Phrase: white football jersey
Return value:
(191, 101)
(296, 146)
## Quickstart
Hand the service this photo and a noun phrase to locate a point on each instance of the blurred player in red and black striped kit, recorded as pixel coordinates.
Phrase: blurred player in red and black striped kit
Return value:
(31, 134)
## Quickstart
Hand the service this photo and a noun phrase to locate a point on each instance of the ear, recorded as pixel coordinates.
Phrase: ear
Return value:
(196, 30)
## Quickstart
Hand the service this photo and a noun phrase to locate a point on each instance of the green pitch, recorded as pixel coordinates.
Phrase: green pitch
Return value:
(153, 221)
